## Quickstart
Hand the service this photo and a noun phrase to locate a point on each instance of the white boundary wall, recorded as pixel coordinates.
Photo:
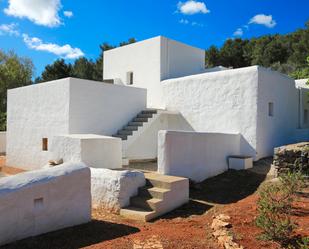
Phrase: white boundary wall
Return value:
(66, 106)
(195, 155)
(112, 190)
(94, 150)
(38, 202)
(2, 141)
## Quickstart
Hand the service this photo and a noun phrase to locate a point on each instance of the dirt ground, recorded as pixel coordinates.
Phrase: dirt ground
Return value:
(188, 227)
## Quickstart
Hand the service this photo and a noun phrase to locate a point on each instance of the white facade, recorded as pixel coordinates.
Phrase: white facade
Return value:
(38, 202)
(237, 101)
(263, 106)
(67, 106)
(152, 61)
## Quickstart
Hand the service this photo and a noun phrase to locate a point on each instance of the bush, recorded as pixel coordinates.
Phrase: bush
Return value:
(2, 121)
(275, 204)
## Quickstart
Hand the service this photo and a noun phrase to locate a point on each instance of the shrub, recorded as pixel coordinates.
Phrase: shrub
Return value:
(274, 206)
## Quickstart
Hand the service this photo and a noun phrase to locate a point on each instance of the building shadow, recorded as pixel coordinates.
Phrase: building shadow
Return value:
(229, 187)
(75, 237)
(193, 207)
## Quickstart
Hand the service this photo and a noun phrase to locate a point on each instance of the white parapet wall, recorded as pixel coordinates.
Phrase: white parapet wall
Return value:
(41, 201)
(2, 141)
(112, 190)
(94, 150)
(195, 155)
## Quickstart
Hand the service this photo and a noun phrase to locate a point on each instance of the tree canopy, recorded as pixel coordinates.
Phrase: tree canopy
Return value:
(15, 72)
(284, 53)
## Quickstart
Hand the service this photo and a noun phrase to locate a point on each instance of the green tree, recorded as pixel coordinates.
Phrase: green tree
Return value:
(58, 70)
(15, 72)
(84, 69)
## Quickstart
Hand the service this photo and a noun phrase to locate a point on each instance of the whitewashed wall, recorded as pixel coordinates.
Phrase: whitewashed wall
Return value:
(101, 108)
(179, 59)
(2, 141)
(151, 61)
(303, 92)
(145, 145)
(195, 155)
(141, 58)
(277, 130)
(94, 150)
(66, 106)
(35, 112)
(46, 200)
(223, 102)
(112, 190)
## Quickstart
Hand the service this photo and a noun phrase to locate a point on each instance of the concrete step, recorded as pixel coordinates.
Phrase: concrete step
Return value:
(145, 203)
(140, 120)
(162, 181)
(135, 124)
(161, 195)
(131, 128)
(135, 213)
(152, 111)
(123, 137)
(153, 192)
(125, 132)
(145, 115)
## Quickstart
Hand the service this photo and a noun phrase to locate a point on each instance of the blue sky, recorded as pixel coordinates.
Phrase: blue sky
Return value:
(45, 30)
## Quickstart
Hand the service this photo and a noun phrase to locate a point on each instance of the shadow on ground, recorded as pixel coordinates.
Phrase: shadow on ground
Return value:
(76, 237)
(229, 187)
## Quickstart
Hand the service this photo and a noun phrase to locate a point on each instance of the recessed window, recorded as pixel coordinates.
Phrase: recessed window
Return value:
(305, 116)
(38, 203)
(130, 78)
(45, 144)
(270, 109)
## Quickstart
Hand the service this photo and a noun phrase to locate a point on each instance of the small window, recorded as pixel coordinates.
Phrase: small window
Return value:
(305, 116)
(45, 144)
(270, 109)
(38, 204)
(130, 78)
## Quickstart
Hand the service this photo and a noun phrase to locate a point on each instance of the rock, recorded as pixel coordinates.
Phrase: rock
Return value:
(217, 224)
(55, 162)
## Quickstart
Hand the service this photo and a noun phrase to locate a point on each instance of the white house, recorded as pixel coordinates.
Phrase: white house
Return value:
(264, 107)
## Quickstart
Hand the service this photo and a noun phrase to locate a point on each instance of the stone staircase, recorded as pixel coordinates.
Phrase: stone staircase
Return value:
(161, 194)
(135, 124)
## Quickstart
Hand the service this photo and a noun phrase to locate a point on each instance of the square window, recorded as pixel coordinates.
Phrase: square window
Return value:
(270, 109)
(45, 144)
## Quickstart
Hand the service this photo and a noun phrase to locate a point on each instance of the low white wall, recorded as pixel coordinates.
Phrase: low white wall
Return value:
(41, 201)
(112, 189)
(2, 141)
(94, 150)
(195, 155)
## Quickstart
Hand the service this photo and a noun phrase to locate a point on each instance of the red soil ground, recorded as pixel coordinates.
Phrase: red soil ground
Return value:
(188, 227)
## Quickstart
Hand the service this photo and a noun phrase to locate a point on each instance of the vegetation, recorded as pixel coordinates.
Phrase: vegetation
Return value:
(285, 53)
(275, 205)
(14, 72)
(82, 67)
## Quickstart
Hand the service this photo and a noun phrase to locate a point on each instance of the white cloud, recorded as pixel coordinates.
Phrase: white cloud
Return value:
(238, 32)
(68, 13)
(186, 22)
(262, 19)
(41, 12)
(65, 51)
(9, 29)
(192, 7)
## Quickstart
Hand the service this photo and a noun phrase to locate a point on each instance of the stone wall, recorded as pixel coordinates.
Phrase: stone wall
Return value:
(292, 157)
